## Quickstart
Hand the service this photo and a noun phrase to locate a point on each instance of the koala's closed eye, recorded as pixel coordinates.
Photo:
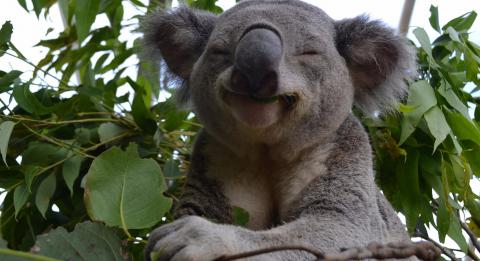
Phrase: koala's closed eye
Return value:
(309, 52)
(218, 51)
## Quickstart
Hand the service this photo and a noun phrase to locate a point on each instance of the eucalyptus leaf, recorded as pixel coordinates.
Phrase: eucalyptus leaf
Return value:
(6, 129)
(44, 193)
(20, 197)
(437, 124)
(6, 32)
(123, 190)
(434, 18)
(71, 170)
(88, 241)
(463, 128)
(85, 13)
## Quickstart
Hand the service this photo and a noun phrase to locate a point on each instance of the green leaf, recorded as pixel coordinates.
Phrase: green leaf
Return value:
(434, 18)
(407, 175)
(424, 40)
(455, 232)
(473, 155)
(6, 129)
(44, 193)
(37, 6)
(447, 92)
(443, 219)
(123, 190)
(27, 101)
(30, 173)
(463, 22)
(422, 98)
(88, 241)
(8, 79)
(6, 32)
(85, 13)
(171, 170)
(43, 154)
(20, 197)
(141, 114)
(7, 254)
(463, 128)
(23, 4)
(71, 170)
(437, 124)
(240, 216)
(109, 130)
(453, 34)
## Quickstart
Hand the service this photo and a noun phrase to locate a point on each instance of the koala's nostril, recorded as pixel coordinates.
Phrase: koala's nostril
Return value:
(257, 58)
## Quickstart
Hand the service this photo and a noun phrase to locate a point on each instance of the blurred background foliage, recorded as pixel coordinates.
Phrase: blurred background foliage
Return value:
(80, 149)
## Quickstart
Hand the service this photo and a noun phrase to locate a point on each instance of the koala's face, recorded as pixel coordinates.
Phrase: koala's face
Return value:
(265, 70)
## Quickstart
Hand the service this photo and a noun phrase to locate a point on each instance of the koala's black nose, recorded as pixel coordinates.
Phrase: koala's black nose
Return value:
(257, 59)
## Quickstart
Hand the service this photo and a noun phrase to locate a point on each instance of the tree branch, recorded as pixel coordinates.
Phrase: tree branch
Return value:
(446, 251)
(423, 250)
(472, 236)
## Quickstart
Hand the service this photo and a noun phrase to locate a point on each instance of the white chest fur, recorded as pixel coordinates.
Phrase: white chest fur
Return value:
(264, 188)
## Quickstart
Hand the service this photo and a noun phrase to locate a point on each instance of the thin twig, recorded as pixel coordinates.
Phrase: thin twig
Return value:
(472, 236)
(446, 251)
(423, 250)
(267, 250)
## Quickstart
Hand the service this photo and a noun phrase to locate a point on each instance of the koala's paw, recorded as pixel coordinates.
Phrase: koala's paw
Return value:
(191, 238)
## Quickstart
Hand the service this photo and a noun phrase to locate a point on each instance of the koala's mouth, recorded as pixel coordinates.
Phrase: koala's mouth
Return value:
(288, 99)
(259, 112)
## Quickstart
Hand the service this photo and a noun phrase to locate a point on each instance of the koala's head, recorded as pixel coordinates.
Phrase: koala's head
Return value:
(265, 70)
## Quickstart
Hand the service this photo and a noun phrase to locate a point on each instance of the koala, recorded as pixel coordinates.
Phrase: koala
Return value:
(273, 82)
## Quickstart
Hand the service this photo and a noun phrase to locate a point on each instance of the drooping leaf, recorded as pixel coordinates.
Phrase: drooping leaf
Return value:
(71, 170)
(28, 101)
(422, 98)
(407, 174)
(8, 79)
(437, 124)
(463, 22)
(171, 170)
(424, 40)
(20, 197)
(30, 173)
(455, 232)
(462, 127)
(109, 130)
(88, 241)
(6, 129)
(43, 154)
(7, 254)
(44, 193)
(85, 13)
(123, 190)
(446, 91)
(6, 32)
(434, 18)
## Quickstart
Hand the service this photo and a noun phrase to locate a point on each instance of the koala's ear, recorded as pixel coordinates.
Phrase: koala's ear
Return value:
(380, 62)
(179, 36)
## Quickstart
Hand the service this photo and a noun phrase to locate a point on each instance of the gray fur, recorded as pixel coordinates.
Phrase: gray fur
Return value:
(303, 172)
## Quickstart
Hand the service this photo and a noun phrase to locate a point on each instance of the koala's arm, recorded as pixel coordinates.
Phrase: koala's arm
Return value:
(202, 196)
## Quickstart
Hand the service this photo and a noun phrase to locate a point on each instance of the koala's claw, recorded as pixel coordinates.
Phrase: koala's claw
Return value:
(190, 238)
